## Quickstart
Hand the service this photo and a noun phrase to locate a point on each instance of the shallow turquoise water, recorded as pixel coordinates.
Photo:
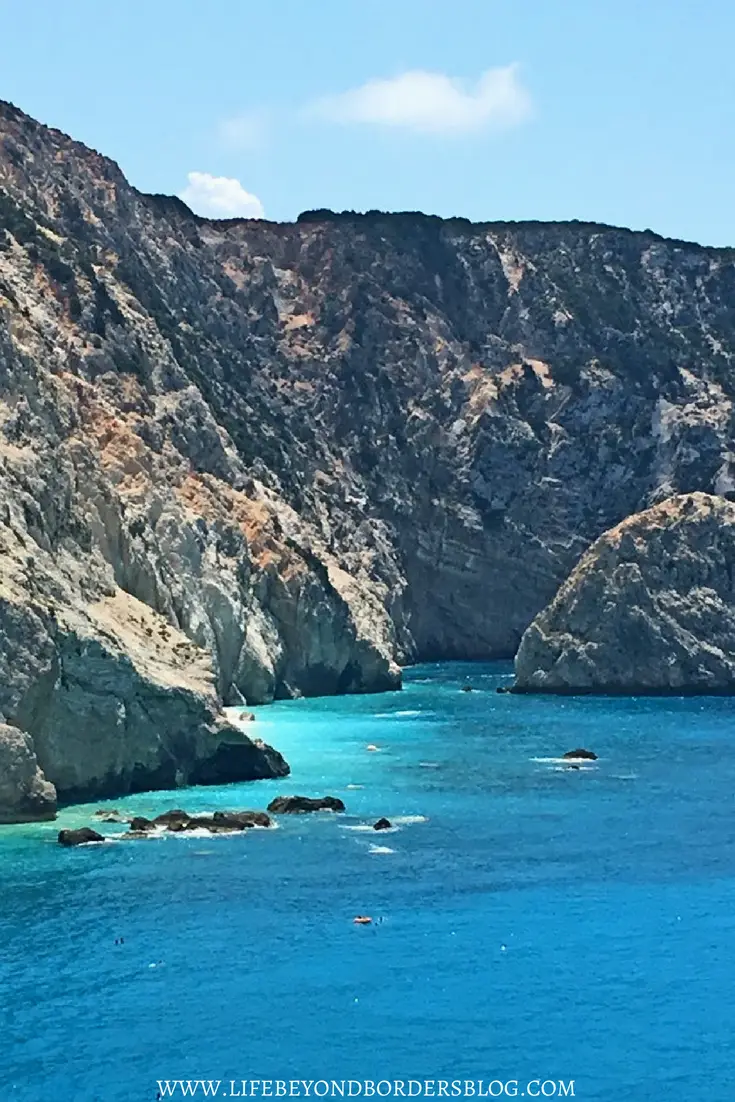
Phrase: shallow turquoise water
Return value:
(541, 922)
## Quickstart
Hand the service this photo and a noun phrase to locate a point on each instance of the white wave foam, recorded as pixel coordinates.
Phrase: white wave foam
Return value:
(381, 849)
(397, 715)
(409, 820)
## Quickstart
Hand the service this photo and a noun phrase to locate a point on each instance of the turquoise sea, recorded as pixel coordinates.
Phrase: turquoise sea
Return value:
(537, 922)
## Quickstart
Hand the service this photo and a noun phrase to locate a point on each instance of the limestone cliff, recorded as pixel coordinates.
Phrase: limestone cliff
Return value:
(25, 794)
(649, 608)
(107, 696)
(320, 449)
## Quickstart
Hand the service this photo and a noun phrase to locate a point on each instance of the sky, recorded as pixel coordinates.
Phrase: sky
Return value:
(619, 112)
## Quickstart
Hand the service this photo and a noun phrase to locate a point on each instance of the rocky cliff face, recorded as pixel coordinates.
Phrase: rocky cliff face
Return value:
(649, 608)
(318, 449)
(105, 696)
(25, 794)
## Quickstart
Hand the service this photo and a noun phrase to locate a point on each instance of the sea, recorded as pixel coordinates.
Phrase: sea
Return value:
(533, 925)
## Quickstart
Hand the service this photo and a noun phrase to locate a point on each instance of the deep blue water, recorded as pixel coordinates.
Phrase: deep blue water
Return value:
(540, 922)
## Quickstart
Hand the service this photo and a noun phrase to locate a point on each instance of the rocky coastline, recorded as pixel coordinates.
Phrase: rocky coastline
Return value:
(243, 461)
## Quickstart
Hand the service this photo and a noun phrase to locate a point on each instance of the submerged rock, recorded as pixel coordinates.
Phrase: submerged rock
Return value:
(111, 816)
(293, 805)
(650, 608)
(80, 837)
(25, 794)
(585, 755)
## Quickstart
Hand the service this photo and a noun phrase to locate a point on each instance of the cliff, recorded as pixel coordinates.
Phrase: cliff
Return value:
(318, 450)
(650, 608)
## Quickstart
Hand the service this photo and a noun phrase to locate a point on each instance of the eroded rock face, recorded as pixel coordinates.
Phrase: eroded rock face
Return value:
(25, 794)
(314, 450)
(649, 608)
(115, 699)
(321, 447)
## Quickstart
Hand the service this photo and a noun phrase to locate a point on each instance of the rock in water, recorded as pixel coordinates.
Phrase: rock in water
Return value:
(650, 608)
(241, 820)
(110, 816)
(220, 822)
(582, 755)
(25, 794)
(293, 805)
(382, 824)
(79, 837)
(175, 815)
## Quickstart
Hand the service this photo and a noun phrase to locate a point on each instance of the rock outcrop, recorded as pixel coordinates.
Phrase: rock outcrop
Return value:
(114, 698)
(84, 836)
(313, 451)
(25, 794)
(297, 805)
(650, 608)
(220, 822)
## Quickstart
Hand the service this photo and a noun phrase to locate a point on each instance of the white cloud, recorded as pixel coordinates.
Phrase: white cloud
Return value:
(220, 197)
(433, 103)
(244, 131)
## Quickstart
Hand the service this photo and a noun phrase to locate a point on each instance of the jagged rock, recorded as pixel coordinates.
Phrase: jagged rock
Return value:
(25, 794)
(291, 805)
(650, 608)
(585, 755)
(225, 822)
(219, 822)
(168, 818)
(382, 824)
(111, 816)
(80, 837)
(241, 820)
(467, 689)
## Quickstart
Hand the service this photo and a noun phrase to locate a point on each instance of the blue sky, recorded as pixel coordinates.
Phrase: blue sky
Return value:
(617, 112)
